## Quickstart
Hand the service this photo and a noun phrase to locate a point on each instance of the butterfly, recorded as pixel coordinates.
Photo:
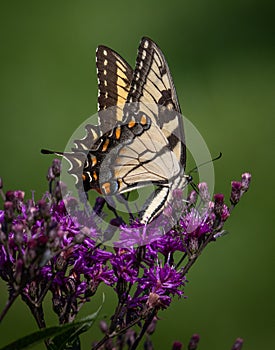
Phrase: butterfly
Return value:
(139, 138)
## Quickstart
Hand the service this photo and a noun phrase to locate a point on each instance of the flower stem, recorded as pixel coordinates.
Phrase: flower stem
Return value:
(115, 334)
(144, 328)
(8, 305)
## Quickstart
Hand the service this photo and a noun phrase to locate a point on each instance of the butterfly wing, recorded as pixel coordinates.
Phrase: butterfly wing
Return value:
(143, 158)
(153, 89)
(140, 142)
(114, 80)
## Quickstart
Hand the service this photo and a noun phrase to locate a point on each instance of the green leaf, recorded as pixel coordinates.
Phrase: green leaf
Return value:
(65, 336)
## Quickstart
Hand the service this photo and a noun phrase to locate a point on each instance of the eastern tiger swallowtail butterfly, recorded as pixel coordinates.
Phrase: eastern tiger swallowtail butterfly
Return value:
(139, 138)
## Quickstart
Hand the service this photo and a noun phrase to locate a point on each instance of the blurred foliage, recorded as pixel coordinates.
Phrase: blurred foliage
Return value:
(222, 57)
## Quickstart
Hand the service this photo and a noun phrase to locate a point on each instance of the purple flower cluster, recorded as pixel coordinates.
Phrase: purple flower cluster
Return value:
(44, 249)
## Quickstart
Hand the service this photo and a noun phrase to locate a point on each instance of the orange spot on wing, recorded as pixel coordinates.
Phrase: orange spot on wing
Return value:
(132, 123)
(105, 145)
(143, 120)
(94, 161)
(118, 132)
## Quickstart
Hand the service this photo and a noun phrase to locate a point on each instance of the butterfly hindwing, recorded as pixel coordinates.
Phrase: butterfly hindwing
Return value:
(146, 159)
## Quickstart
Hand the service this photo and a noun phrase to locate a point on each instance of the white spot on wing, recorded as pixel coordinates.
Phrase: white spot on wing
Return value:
(143, 54)
(146, 44)
(76, 178)
(90, 178)
(105, 53)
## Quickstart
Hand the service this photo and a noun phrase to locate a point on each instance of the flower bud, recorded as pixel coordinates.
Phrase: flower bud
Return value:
(56, 167)
(103, 326)
(218, 204)
(193, 343)
(18, 230)
(177, 345)
(246, 179)
(8, 209)
(192, 197)
(44, 208)
(238, 344)
(236, 188)
(19, 195)
(225, 213)
(10, 196)
(204, 192)
(50, 175)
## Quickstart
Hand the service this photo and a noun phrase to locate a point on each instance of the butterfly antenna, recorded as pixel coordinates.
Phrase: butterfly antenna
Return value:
(47, 151)
(195, 169)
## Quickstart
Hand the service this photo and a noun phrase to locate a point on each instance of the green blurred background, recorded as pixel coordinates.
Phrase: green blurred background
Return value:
(222, 57)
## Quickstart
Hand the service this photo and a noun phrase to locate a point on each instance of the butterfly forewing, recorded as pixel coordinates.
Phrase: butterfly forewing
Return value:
(114, 79)
(153, 88)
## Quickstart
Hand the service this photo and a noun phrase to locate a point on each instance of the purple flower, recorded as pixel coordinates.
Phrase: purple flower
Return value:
(195, 224)
(136, 235)
(54, 245)
(124, 263)
(169, 243)
(158, 285)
